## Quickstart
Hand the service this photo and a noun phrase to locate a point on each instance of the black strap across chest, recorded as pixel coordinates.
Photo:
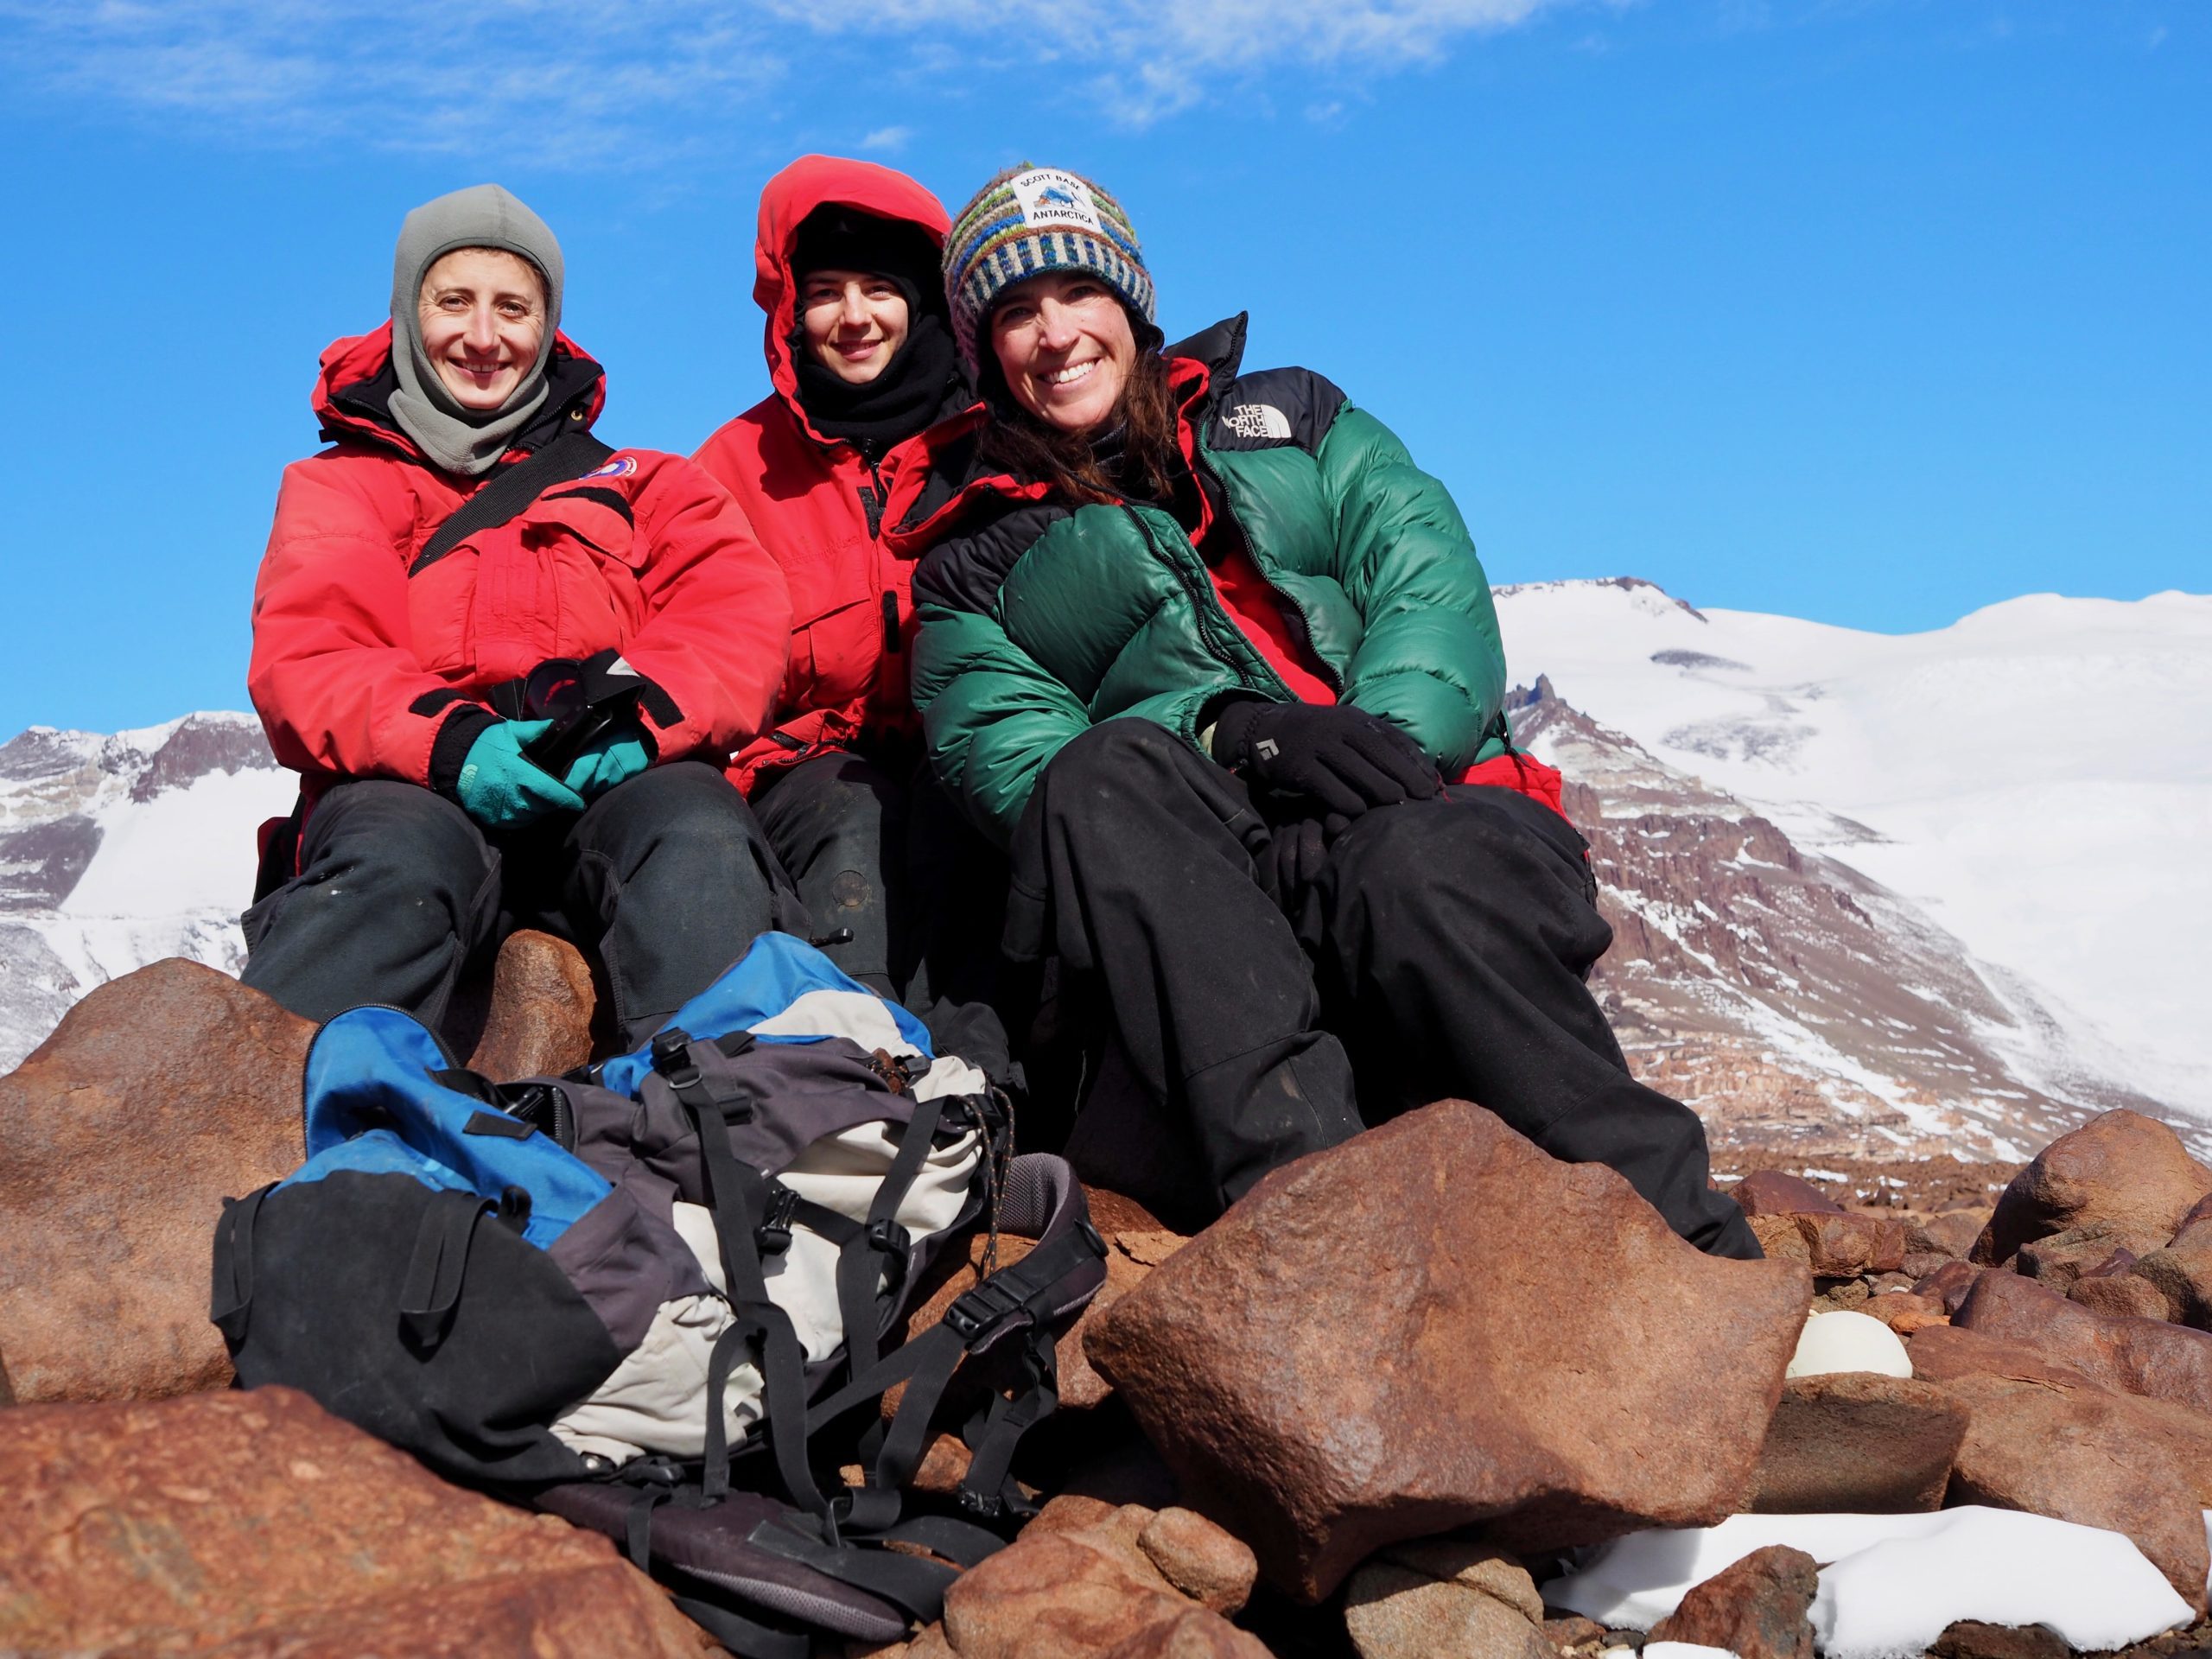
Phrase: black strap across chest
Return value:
(510, 491)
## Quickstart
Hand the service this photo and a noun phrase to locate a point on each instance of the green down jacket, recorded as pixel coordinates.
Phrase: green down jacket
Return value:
(1039, 621)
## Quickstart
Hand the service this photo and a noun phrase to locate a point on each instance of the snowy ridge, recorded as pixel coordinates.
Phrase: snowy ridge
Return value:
(2023, 782)
(116, 851)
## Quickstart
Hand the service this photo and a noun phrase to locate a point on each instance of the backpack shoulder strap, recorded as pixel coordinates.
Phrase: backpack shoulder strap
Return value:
(510, 491)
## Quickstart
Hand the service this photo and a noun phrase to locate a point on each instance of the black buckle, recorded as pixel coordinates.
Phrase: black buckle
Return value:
(672, 1058)
(892, 1241)
(774, 1235)
(984, 1309)
(987, 1505)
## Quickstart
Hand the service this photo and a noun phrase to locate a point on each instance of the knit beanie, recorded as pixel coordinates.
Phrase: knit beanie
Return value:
(1031, 219)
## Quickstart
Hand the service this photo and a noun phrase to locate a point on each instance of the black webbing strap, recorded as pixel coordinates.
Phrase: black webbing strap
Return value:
(431, 1289)
(1031, 1290)
(512, 490)
(995, 1433)
(734, 1192)
(883, 1245)
(231, 1303)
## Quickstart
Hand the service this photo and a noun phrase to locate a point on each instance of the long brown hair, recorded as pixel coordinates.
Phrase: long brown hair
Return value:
(1151, 458)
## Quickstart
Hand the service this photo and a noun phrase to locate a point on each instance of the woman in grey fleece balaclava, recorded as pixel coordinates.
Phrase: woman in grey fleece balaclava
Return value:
(459, 439)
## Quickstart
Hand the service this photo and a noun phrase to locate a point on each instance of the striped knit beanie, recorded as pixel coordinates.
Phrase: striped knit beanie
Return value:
(1030, 219)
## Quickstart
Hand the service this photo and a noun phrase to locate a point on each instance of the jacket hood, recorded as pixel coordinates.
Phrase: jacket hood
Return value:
(354, 384)
(815, 181)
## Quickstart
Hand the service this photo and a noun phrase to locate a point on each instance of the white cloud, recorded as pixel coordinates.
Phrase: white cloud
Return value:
(584, 81)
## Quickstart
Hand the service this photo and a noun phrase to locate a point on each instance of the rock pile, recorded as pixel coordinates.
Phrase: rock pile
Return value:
(1365, 1413)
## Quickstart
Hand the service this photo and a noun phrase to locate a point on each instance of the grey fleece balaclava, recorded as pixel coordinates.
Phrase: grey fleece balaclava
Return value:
(483, 216)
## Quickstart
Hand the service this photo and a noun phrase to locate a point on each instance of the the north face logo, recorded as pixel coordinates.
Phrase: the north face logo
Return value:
(1256, 421)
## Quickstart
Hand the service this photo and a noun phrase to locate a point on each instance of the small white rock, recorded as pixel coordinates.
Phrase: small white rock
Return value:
(1683, 1650)
(1848, 1342)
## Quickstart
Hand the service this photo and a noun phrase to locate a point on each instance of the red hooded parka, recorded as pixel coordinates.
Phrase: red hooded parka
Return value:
(816, 504)
(363, 667)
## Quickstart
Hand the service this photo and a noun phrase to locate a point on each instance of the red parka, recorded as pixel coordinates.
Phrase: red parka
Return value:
(365, 667)
(817, 504)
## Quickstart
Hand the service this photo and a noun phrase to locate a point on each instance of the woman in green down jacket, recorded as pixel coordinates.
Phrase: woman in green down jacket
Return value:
(1217, 662)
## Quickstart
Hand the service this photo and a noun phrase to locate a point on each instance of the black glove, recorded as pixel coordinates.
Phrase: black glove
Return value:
(1295, 857)
(1343, 759)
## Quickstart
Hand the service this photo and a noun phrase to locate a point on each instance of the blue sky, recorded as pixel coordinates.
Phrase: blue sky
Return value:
(1874, 311)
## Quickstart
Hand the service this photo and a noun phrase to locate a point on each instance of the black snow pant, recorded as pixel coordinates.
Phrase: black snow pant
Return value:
(906, 896)
(667, 876)
(1442, 953)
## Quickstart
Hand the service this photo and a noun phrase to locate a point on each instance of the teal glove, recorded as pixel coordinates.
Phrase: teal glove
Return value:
(606, 761)
(503, 790)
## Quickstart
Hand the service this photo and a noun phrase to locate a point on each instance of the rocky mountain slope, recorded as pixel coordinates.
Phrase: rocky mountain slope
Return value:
(118, 851)
(1800, 1006)
(2031, 780)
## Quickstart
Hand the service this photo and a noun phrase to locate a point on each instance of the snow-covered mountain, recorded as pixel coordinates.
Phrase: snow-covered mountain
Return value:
(118, 851)
(1881, 894)
(2021, 805)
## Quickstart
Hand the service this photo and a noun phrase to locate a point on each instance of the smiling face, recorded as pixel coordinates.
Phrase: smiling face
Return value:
(483, 316)
(1065, 347)
(854, 322)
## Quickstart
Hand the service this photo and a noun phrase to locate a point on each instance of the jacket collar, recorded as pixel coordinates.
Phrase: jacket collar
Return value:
(354, 388)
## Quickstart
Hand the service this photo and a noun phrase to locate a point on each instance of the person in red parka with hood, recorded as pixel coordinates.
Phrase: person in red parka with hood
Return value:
(427, 687)
(904, 895)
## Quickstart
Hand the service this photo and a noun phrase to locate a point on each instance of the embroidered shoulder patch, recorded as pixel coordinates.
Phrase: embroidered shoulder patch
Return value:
(620, 466)
(1256, 421)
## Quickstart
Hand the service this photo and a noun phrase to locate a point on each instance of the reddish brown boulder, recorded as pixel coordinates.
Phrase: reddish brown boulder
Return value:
(1844, 1245)
(1077, 1583)
(1435, 1324)
(1774, 1192)
(1905, 1312)
(541, 1000)
(2061, 1259)
(2182, 1275)
(160, 1095)
(1754, 1608)
(1945, 1353)
(1951, 1232)
(2144, 1356)
(1970, 1639)
(1949, 1285)
(2092, 1458)
(1199, 1558)
(1445, 1596)
(2121, 1295)
(2121, 1169)
(1853, 1442)
(258, 1522)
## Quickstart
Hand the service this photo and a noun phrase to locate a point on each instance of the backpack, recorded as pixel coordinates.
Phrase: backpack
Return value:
(544, 1287)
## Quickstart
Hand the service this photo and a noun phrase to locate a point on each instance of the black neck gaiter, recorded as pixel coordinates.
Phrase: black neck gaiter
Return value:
(899, 402)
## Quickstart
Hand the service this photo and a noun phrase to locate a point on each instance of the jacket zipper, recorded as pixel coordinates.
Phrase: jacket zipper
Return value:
(874, 498)
(1206, 608)
(1290, 601)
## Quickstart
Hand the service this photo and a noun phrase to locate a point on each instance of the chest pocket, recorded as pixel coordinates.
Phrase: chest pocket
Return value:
(559, 580)
(836, 621)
